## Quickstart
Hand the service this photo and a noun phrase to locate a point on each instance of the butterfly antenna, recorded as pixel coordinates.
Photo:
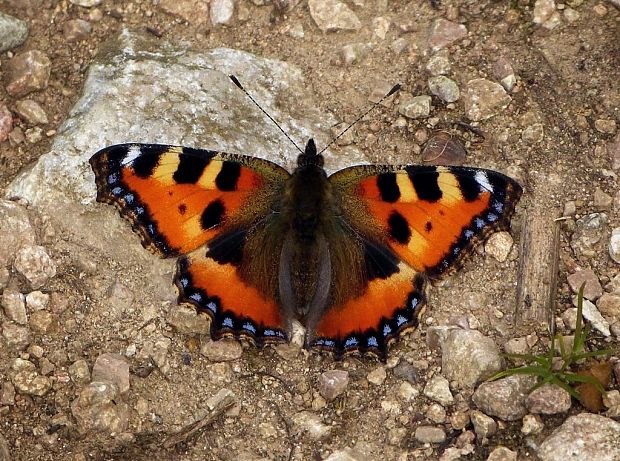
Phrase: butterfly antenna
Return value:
(394, 89)
(238, 84)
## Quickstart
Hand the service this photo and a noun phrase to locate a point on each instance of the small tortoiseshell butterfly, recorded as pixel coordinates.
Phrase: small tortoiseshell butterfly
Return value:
(348, 254)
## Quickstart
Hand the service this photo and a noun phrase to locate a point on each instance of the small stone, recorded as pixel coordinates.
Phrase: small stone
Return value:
(43, 322)
(311, 424)
(16, 336)
(332, 383)
(484, 425)
(611, 401)
(79, 372)
(505, 397)
(543, 10)
(113, 368)
(187, 321)
(571, 15)
(27, 72)
(532, 425)
(194, 12)
(548, 399)
(502, 454)
(407, 392)
(613, 150)
(76, 29)
(16, 136)
(28, 381)
(14, 306)
(592, 315)
(158, 352)
(499, 245)
(439, 64)
(222, 12)
(602, 201)
(377, 376)
(7, 395)
(430, 434)
(588, 232)
(443, 33)
(37, 301)
(614, 245)
(223, 350)
(592, 290)
(609, 305)
(99, 408)
(400, 45)
(503, 71)
(34, 135)
(353, 53)
(33, 262)
(438, 389)
(86, 3)
(459, 420)
(444, 88)
(15, 230)
(346, 455)
(6, 122)
(517, 346)
(436, 413)
(13, 32)
(333, 15)
(483, 99)
(600, 9)
(533, 134)
(414, 106)
(380, 26)
(607, 126)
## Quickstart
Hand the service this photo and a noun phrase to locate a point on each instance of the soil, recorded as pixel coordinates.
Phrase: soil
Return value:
(567, 79)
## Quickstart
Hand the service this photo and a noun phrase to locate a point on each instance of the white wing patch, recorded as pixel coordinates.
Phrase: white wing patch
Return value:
(483, 180)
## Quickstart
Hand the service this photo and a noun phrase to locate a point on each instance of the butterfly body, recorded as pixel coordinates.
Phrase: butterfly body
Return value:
(348, 255)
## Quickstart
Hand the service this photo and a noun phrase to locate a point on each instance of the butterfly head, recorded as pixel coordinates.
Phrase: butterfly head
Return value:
(310, 157)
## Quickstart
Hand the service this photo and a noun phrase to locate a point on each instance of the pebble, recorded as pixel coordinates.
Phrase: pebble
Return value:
(611, 400)
(309, 423)
(533, 134)
(439, 63)
(15, 230)
(499, 245)
(444, 88)
(13, 32)
(592, 315)
(505, 397)
(405, 370)
(99, 408)
(571, 15)
(380, 26)
(16, 336)
(14, 306)
(517, 346)
(333, 383)
(592, 290)
(34, 135)
(16, 136)
(613, 150)
(223, 350)
(414, 106)
(222, 12)
(43, 322)
(430, 434)
(400, 45)
(7, 394)
(436, 413)
(346, 455)
(187, 321)
(583, 436)
(353, 53)
(607, 126)
(333, 15)
(193, 11)
(443, 33)
(27, 72)
(609, 305)
(483, 99)
(27, 381)
(548, 399)
(614, 245)
(438, 389)
(469, 357)
(532, 425)
(79, 372)
(33, 262)
(377, 376)
(113, 368)
(543, 11)
(31, 112)
(86, 3)
(503, 71)
(76, 29)
(502, 454)
(37, 300)
(6, 122)
(459, 420)
(484, 425)
(602, 201)
(588, 232)
(407, 392)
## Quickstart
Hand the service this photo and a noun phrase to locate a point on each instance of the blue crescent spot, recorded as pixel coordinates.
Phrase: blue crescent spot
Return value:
(212, 307)
(456, 250)
(184, 282)
(498, 206)
(479, 223)
(195, 297)
(491, 217)
(129, 198)
(139, 210)
(269, 332)
(469, 234)
(414, 302)
(319, 342)
(151, 229)
(401, 319)
(372, 341)
(227, 322)
(387, 330)
(112, 178)
(117, 191)
(249, 326)
(351, 341)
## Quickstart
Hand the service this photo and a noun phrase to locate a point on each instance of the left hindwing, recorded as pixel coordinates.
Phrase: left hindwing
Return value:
(430, 216)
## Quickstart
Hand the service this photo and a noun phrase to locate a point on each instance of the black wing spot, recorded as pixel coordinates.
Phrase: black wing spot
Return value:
(468, 185)
(386, 183)
(189, 170)
(212, 215)
(226, 179)
(424, 180)
(146, 162)
(428, 226)
(398, 228)
(380, 262)
(183, 208)
(227, 248)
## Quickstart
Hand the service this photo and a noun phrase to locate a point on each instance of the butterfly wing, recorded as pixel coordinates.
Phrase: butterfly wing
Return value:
(182, 200)
(415, 222)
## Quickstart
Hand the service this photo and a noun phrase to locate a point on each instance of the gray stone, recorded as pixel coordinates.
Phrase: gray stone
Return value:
(602, 200)
(504, 398)
(15, 230)
(484, 425)
(33, 262)
(100, 408)
(430, 434)
(436, 413)
(532, 425)
(589, 230)
(439, 63)
(16, 336)
(223, 350)
(444, 88)
(517, 346)
(533, 134)
(503, 71)
(502, 454)
(113, 368)
(86, 3)
(353, 53)
(592, 315)
(13, 32)
(79, 372)
(611, 401)
(6, 123)
(593, 289)
(347, 454)
(609, 305)
(483, 99)
(443, 33)
(27, 72)
(332, 383)
(43, 322)
(469, 357)
(7, 395)
(309, 423)
(76, 29)
(583, 436)
(438, 389)
(543, 10)
(187, 321)
(414, 106)
(614, 245)
(27, 381)
(377, 376)
(607, 126)
(14, 306)
(499, 245)
(436, 335)
(548, 399)
(222, 12)
(37, 300)
(332, 15)
(193, 11)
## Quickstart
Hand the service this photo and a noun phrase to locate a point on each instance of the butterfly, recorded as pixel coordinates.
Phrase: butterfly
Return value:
(348, 255)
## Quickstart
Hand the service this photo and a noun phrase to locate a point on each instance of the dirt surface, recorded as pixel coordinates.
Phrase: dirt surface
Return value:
(567, 81)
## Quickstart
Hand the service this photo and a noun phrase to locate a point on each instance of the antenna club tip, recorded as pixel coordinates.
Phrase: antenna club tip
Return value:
(235, 81)
(394, 89)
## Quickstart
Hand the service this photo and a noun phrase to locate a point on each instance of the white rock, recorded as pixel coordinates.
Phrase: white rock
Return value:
(614, 245)
(332, 15)
(33, 262)
(222, 12)
(499, 245)
(592, 315)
